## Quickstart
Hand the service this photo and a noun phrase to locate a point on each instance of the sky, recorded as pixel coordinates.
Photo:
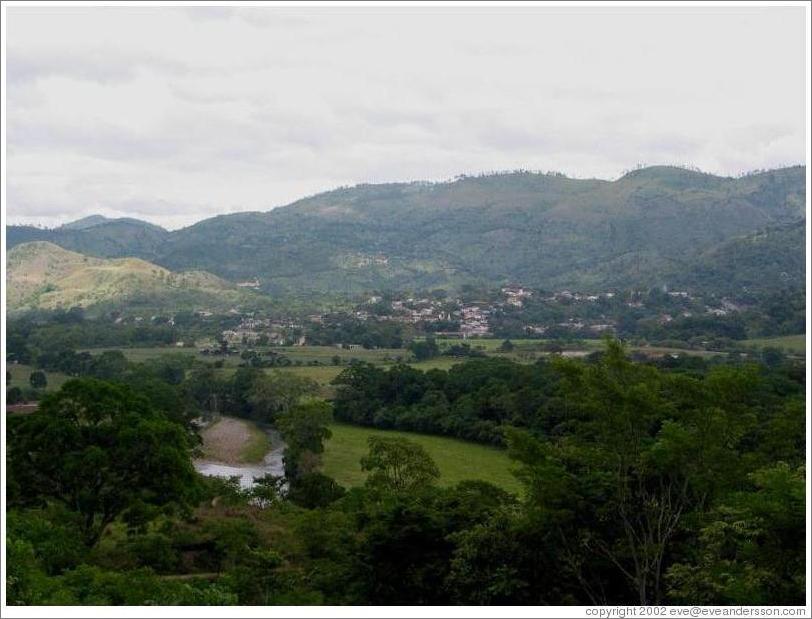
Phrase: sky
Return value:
(174, 115)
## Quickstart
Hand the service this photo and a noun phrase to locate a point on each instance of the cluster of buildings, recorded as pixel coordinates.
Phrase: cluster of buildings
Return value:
(515, 295)
(359, 260)
(566, 295)
(472, 318)
(474, 321)
(264, 331)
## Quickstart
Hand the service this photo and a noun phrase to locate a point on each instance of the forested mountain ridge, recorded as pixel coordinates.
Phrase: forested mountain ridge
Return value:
(111, 238)
(652, 227)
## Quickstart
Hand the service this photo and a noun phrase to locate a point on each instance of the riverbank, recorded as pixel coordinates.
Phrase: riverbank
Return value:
(235, 441)
(238, 448)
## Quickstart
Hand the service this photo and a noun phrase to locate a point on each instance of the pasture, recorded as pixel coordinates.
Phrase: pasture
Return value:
(457, 460)
(794, 344)
(20, 375)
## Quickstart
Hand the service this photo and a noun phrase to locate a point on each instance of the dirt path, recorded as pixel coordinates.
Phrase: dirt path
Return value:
(226, 439)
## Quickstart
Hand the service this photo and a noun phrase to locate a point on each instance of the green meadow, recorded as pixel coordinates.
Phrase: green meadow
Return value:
(20, 375)
(457, 460)
(795, 344)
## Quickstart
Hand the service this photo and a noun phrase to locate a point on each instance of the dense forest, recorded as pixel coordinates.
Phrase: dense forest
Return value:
(678, 481)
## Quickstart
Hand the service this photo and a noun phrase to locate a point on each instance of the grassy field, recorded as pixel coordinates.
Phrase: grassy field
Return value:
(302, 354)
(438, 363)
(144, 354)
(664, 350)
(491, 344)
(325, 354)
(21, 373)
(457, 460)
(795, 344)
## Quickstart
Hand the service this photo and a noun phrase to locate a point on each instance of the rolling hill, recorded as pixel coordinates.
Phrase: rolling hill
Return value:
(45, 276)
(654, 226)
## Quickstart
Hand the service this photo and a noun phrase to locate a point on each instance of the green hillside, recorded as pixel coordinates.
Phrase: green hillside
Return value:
(654, 226)
(43, 275)
(755, 262)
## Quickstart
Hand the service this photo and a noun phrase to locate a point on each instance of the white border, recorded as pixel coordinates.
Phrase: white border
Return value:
(390, 611)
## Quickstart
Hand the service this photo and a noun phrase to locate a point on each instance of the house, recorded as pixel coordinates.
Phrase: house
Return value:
(515, 290)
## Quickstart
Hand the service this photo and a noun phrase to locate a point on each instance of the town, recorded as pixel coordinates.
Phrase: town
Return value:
(511, 311)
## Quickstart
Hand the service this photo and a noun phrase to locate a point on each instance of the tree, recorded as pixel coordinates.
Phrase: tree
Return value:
(38, 379)
(748, 552)
(274, 394)
(110, 365)
(486, 567)
(267, 490)
(315, 489)
(102, 451)
(398, 464)
(773, 357)
(655, 448)
(304, 427)
(506, 346)
(207, 390)
(426, 349)
(14, 395)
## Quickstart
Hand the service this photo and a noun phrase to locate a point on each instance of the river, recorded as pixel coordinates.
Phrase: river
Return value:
(272, 463)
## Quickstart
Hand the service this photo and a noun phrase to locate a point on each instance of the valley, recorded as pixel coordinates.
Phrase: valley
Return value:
(445, 381)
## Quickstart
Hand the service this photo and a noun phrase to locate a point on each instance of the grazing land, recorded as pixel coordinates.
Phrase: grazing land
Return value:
(20, 374)
(457, 460)
(795, 344)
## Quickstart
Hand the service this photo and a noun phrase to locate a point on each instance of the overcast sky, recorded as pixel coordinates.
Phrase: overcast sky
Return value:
(174, 115)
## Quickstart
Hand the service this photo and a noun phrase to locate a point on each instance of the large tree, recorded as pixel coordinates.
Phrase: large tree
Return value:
(102, 451)
(38, 379)
(398, 464)
(304, 427)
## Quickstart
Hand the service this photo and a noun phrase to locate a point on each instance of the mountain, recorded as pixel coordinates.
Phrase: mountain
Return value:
(97, 220)
(46, 276)
(97, 236)
(651, 227)
(759, 262)
(86, 222)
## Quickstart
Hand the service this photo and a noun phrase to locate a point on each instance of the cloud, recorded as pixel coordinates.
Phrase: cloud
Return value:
(101, 65)
(177, 114)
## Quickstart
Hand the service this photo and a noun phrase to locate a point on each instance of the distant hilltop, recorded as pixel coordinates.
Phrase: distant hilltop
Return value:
(653, 226)
(97, 220)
